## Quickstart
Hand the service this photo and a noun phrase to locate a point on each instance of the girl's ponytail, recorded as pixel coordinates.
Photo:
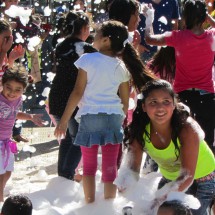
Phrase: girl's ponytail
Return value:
(140, 74)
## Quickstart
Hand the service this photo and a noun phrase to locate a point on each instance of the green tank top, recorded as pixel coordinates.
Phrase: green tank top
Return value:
(170, 166)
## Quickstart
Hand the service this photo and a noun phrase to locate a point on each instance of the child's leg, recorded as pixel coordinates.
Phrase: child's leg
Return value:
(6, 178)
(109, 169)
(3, 180)
(1, 188)
(89, 156)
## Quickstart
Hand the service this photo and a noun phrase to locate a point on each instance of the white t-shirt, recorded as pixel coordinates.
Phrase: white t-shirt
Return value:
(104, 75)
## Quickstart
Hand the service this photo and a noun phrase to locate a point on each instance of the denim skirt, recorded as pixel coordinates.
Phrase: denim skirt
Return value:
(99, 129)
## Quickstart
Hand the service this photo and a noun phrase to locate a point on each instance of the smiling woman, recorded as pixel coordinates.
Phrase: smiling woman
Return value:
(163, 128)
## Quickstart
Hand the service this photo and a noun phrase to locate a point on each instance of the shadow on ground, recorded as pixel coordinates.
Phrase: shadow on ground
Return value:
(41, 148)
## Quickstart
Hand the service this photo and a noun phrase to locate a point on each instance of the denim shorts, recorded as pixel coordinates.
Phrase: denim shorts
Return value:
(99, 129)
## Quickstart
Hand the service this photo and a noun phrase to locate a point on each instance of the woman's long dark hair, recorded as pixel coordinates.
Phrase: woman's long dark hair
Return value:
(121, 10)
(140, 118)
(163, 63)
(120, 46)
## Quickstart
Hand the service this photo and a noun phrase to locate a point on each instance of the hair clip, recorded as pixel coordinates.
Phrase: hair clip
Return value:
(125, 42)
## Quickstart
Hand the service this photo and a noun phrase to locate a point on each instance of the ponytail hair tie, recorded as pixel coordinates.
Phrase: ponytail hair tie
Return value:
(125, 42)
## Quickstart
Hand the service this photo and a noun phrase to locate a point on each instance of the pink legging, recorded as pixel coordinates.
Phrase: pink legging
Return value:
(109, 161)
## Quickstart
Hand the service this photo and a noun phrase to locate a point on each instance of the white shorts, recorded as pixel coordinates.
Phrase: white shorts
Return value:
(10, 165)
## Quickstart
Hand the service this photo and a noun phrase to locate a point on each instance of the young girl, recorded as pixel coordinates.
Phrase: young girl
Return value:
(14, 82)
(194, 48)
(163, 128)
(101, 111)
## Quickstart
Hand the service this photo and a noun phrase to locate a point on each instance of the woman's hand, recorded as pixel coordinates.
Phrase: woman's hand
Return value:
(148, 12)
(17, 52)
(60, 130)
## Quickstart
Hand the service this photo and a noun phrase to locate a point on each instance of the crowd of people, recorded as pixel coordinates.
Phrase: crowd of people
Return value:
(159, 54)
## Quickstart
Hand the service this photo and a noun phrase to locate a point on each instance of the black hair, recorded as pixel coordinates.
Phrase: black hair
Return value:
(194, 13)
(121, 10)
(18, 73)
(178, 208)
(140, 120)
(163, 63)
(74, 22)
(74, 3)
(118, 35)
(17, 205)
(4, 25)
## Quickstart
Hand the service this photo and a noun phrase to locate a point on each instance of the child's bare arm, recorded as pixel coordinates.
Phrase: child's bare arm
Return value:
(35, 118)
(124, 95)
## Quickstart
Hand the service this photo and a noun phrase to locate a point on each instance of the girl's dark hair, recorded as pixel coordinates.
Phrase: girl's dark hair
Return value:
(17, 204)
(17, 73)
(177, 207)
(121, 10)
(137, 127)
(163, 63)
(118, 35)
(4, 25)
(74, 22)
(194, 13)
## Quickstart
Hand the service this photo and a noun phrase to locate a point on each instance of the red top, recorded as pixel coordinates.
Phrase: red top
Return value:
(194, 59)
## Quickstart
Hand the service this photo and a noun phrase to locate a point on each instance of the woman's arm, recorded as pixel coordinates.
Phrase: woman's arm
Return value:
(189, 138)
(128, 173)
(155, 40)
(72, 103)
(136, 154)
(150, 38)
(124, 95)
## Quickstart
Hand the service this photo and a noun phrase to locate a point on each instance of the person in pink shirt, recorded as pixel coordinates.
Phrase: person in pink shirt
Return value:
(14, 82)
(194, 53)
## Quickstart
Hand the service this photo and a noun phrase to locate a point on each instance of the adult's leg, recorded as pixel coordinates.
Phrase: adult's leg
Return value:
(109, 169)
(89, 156)
(69, 155)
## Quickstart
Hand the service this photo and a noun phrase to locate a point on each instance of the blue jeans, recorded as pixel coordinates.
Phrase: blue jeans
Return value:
(69, 155)
(203, 191)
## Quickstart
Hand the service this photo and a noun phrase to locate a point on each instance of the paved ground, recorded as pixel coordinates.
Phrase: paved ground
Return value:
(42, 139)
